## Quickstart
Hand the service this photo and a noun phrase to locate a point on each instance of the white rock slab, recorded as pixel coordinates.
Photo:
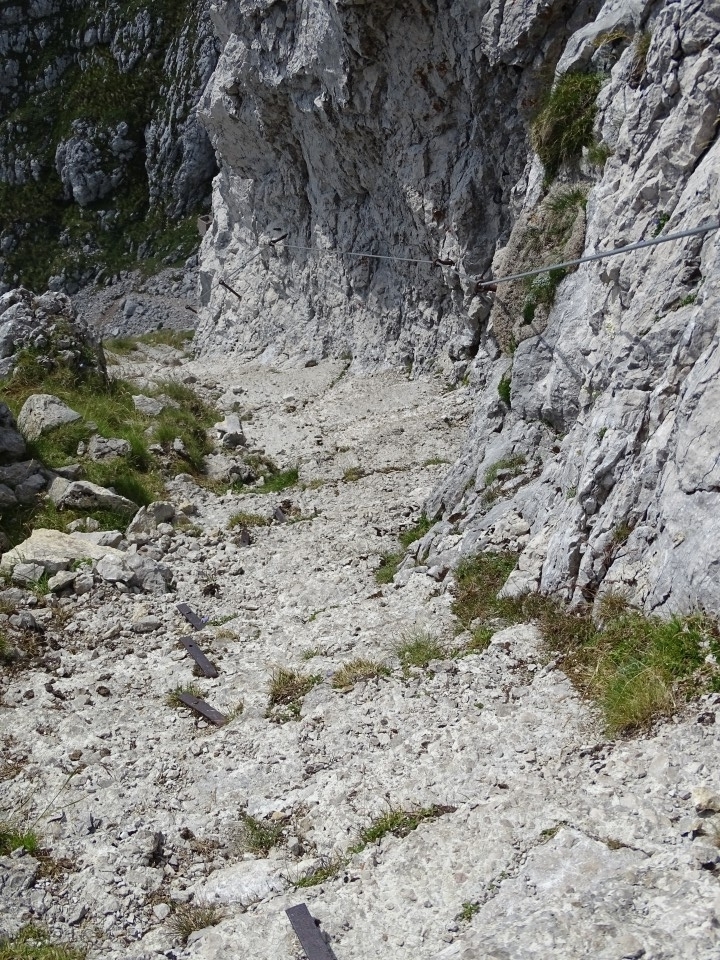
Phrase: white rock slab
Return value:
(243, 883)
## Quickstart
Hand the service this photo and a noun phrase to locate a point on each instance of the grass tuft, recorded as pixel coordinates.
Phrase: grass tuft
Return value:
(358, 670)
(417, 649)
(504, 389)
(241, 519)
(352, 474)
(173, 697)
(12, 837)
(286, 691)
(260, 836)
(189, 917)
(564, 125)
(33, 943)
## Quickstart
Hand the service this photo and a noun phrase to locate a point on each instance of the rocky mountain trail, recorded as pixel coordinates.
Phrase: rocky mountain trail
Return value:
(437, 811)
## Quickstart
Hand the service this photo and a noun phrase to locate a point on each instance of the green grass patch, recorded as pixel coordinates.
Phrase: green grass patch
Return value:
(564, 124)
(241, 519)
(396, 822)
(389, 563)
(286, 691)
(276, 482)
(353, 474)
(108, 404)
(358, 670)
(634, 665)
(260, 836)
(274, 479)
(34, 943)
(416, 532)
(468, 911)
(504, 389)
(13, 837)
(514, 464)
(418, 648)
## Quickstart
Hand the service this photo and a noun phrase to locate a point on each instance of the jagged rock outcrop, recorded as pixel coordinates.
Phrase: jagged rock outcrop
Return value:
(98, 128)
(403, 133)
(50, 327)
(611, 404)
(396, 129)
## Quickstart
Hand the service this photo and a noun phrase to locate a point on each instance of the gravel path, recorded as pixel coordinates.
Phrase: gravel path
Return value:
(547, 841)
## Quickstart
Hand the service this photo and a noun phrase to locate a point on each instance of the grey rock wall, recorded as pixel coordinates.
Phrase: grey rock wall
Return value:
(404, 130)
(397, 129)
(99, 131)
(613, 403)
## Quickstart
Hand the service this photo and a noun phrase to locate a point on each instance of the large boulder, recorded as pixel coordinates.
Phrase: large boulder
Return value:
(54, 551)
(42, 412)
(83, 495)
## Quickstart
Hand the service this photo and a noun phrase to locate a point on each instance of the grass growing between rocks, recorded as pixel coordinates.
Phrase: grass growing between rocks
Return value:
(389, 562)
(417, 649)
(107, 409)
(12, 837)
(358, 670)
(275, 480)
(34, 943)
(177, 339)
(396, 822)
(173, 697)
(241, 519)
(564, 124)
(260, 836)
(636, 666)
(189, 917)
(286, 692)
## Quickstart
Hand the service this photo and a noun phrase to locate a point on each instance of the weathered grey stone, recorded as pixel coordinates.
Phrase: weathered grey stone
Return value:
(243, 883)
(7, 497)
(83, 495)
(42, 413)
(54, 551)
(28, 490)
(101, 449)
(111, 568)
(230, 431)
(61, 580)
(103, 538)
(27, 572)
(12, 443)
(150, 406)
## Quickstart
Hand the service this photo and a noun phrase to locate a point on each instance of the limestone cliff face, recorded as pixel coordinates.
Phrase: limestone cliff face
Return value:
(403, 129)
(393, 128)
(99, 132)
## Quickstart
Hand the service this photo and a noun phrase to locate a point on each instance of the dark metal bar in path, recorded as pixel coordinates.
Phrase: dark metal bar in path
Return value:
(228, 287)
(208, 668)
(203, 708)
(308, 933)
